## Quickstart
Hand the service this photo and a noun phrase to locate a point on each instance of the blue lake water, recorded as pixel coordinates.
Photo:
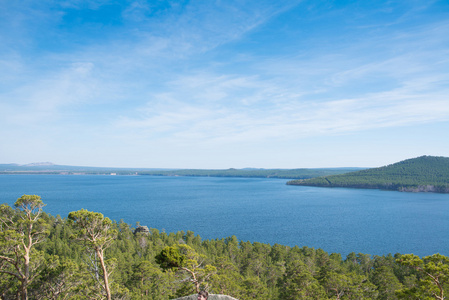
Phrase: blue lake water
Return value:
(253, 209)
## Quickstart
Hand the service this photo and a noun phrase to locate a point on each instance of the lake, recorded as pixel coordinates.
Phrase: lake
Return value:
(253, 209)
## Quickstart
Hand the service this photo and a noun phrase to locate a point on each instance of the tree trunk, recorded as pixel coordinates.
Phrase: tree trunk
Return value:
(26, 275)
(105, 273)
(23, 290)
(194, 280)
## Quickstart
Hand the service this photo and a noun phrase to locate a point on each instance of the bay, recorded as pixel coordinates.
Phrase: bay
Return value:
(253, 209)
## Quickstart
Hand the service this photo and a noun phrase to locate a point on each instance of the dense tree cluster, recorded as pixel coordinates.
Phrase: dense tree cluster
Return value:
(88, 256)
(425, 173)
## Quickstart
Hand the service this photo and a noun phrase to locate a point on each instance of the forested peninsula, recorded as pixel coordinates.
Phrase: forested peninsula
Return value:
(421, 174)
(88, 256)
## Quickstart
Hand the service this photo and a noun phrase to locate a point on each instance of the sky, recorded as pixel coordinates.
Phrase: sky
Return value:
(223, 84)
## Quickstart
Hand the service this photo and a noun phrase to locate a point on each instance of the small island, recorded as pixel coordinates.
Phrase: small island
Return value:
(421, 174)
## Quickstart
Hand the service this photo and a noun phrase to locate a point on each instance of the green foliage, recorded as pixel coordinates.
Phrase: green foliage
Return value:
(21, 230)
(92, 228)
(299, 283)
(57, 278)
(170, 258)
(97, 233)
(422, 174)
(164, 266)
(386, 282)
(187, 261)
(433, 275)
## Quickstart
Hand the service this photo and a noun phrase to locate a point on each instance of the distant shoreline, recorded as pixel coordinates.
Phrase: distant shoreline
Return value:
(238, 173)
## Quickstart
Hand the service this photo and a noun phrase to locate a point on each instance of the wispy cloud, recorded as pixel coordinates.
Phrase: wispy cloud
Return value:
(299, 97)
(218, 73)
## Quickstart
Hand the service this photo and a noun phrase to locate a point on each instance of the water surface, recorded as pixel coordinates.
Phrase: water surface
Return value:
(253, 209)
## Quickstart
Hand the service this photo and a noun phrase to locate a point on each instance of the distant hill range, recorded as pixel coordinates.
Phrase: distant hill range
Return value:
(421, 174)
(50, 168)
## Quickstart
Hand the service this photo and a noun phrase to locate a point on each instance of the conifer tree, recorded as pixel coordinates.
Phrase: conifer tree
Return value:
(184, 259)
(434, 270)
(97, 233)
(20, 230)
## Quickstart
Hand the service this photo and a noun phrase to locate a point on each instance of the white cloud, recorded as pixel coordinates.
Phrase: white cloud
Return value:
(181, 76)
(226, 119)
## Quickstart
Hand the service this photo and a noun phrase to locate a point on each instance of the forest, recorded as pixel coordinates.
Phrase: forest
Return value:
(421, 174)
(88, 256)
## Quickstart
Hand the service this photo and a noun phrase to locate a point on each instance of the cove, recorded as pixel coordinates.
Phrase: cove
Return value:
(253, 209)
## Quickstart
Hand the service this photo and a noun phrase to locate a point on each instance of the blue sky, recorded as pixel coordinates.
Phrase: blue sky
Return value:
(223, 84)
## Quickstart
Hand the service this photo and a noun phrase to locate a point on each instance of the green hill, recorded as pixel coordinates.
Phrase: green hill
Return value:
(421, 174)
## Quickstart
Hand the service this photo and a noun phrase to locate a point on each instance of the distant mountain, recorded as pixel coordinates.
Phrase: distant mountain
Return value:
(38, 164)
(421, 174)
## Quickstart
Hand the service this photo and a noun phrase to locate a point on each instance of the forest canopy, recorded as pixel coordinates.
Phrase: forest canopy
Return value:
(88, 256)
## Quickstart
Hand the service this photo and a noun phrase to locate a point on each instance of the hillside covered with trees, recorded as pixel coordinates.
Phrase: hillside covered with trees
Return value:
(88, 256)
(421, 174)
